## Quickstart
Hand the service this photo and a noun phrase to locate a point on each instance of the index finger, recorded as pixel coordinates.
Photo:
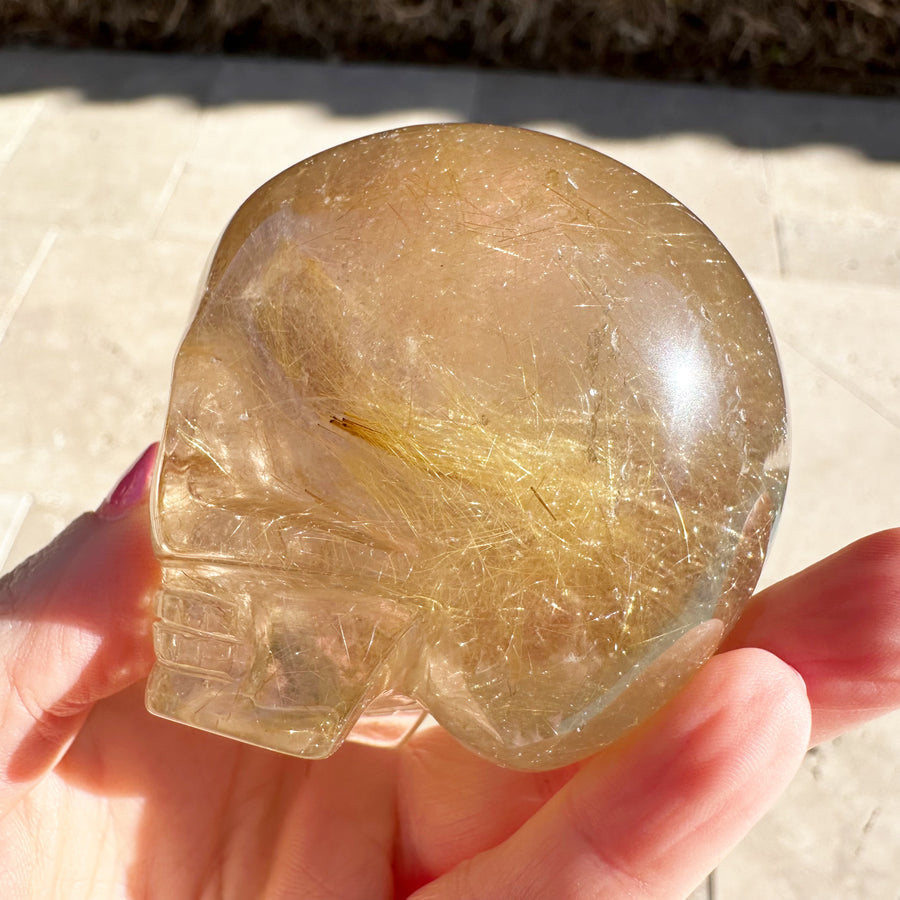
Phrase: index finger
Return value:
(838, 624)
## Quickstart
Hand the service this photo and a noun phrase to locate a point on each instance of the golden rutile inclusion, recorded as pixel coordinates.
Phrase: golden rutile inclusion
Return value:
(469, 419)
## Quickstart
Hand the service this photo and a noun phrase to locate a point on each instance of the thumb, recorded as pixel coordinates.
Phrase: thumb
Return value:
(74, 628)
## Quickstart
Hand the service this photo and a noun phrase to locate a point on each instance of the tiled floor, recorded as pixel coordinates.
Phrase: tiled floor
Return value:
(118, 172)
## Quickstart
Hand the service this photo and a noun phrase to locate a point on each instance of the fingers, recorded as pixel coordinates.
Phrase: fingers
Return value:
(652, 814)
(838, 624)
(438, 828)
(337, 837)
(74, 628)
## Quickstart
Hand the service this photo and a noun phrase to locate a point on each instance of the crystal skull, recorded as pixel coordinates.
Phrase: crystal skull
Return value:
(468, 419)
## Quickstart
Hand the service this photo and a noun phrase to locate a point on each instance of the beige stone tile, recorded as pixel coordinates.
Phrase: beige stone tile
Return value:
(14, 506)
(640, 110)
(837, 213)
(832, 180)
(264, 138)
(22, 249)
(269, 115)
(841, 247)
(724, 185)
(701, 892)
(204, 200)
(85, 366)
(850, 331)
(618, 109)
(30, 82)
(43, 522)
(834, 834)
(346, 91)
(845, 462)
(17, 114)
(869, 127)
(99, 165)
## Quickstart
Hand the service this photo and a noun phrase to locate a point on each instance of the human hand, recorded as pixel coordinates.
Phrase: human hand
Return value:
(98, 799)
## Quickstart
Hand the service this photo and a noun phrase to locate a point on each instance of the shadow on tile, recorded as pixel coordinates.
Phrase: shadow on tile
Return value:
(602, 108)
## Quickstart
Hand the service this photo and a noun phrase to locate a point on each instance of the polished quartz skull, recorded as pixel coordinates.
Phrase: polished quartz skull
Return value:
(472, 420)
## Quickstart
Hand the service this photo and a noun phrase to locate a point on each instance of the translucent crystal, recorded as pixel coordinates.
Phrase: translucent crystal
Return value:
(472, 420)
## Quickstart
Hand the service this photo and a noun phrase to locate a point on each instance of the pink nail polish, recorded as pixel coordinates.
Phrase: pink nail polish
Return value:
(131, 488)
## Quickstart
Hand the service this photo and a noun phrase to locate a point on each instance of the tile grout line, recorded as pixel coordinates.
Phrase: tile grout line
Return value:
(780, 265)
(16, 141)
(18, 295)
(175, 176)
(165, 196)
(13, 526)
(852, 389)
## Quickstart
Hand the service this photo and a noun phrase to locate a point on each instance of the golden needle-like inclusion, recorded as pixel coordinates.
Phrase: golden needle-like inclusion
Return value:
(469, 419)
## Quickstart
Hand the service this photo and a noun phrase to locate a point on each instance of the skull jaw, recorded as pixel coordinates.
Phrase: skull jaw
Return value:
(309, 734)
(209, 702)
(273, 659)
(182, 697)
(251, 656)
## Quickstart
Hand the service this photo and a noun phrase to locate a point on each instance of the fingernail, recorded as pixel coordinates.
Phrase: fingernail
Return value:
(132, 488)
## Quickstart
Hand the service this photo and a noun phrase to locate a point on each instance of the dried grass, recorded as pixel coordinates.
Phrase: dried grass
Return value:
(835, 45)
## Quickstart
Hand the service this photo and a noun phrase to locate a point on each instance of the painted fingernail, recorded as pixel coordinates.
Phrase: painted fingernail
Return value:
(132, 488)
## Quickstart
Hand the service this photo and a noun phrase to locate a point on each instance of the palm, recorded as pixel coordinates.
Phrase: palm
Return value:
(169, 812)
(172, 812)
